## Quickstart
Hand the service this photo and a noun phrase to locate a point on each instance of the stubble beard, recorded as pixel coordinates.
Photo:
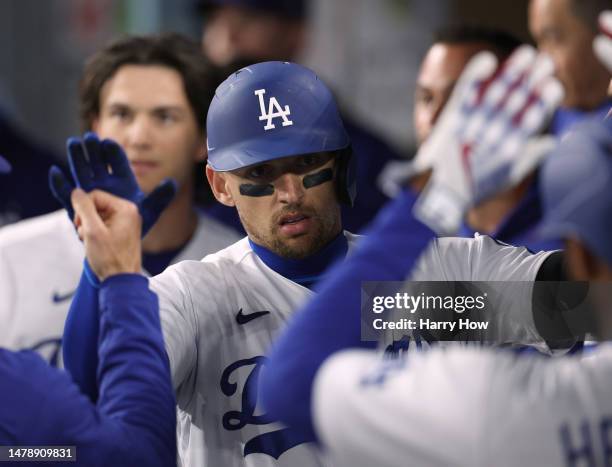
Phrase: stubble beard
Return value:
(325, 227)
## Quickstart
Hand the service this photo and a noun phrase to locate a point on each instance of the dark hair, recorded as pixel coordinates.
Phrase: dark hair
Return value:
(171, 50)
(588, 11)
(500, 42)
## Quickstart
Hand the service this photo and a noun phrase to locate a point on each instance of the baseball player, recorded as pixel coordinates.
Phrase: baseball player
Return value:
(278, 152)
(444, 407)
(565, 29)
(511, 215)
(150, 94)
(133, 422)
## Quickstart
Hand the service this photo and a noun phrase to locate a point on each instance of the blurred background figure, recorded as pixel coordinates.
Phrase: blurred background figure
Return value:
(451, 50)
(255, 30)
(241, 32)
(24, 194)
(511, 215)
(565, 29)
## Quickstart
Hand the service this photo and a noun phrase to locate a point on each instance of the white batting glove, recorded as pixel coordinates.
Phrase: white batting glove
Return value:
(485, 140)
(602, 44)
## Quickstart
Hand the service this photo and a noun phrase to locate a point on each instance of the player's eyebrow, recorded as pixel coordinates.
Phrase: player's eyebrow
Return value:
(156, 109)
(168, 108)
(421, 88)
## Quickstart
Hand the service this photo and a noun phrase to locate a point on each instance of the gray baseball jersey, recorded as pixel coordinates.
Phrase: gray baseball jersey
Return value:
(465, 407)
(219, 318)
(41, 260)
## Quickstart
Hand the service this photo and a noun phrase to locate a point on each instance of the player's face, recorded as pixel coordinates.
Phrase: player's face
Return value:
(568, 40)
(439, 72)
(145, 109)
(286, 205)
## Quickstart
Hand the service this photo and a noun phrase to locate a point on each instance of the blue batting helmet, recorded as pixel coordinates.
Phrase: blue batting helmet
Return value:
(272, 110)
(575, 188)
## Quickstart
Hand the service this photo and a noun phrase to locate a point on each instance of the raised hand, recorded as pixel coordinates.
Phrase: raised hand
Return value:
(487, 139)
(109, 227)
(102, 165)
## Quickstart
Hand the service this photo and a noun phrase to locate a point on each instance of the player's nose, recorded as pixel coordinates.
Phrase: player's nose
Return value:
(290, 188)
(139, 133)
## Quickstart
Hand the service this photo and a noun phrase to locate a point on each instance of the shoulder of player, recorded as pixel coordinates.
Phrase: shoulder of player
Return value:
(210, 237)
(480, 245)
(52, 226)
(497, 372)
(209, 224)
(477, 242)
(210, 268)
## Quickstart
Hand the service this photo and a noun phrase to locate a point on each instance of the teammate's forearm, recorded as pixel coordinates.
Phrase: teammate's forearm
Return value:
(134, 421)
(331, 320)
(134, 372)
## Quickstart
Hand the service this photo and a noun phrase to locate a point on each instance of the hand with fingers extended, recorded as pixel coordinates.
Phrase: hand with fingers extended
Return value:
(109, 227)
(489, 136)
(102, 165)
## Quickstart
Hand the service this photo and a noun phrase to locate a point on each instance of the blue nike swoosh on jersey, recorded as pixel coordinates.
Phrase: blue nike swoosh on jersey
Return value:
(59, 298)
(241, 318)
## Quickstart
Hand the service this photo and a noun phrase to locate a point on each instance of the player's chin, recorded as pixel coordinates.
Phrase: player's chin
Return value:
(297, 246)
(148, 182)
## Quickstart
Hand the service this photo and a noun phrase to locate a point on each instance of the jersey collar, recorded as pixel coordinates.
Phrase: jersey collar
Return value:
(305, 271)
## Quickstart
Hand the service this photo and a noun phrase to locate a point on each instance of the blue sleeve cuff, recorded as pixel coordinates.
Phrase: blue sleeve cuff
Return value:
(90, 275)
(123, 288)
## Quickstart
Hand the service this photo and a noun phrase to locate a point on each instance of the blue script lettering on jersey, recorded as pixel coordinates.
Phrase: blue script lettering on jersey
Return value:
(383, 371)
(421, 340)
(274, 443)
(580, 443)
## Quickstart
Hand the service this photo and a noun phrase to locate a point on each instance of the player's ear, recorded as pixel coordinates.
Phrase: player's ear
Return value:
(201, 151)
(219, 185)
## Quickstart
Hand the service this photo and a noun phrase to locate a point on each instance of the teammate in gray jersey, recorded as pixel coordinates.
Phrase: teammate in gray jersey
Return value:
(151, 95)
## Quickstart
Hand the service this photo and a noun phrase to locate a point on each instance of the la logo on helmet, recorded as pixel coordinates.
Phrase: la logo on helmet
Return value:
(274, 111)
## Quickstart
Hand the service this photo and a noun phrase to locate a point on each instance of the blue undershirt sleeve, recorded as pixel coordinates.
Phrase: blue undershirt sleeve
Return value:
(81, 332)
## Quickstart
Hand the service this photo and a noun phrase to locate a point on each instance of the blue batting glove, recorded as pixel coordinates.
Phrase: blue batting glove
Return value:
(61, 187)
(90, 160)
